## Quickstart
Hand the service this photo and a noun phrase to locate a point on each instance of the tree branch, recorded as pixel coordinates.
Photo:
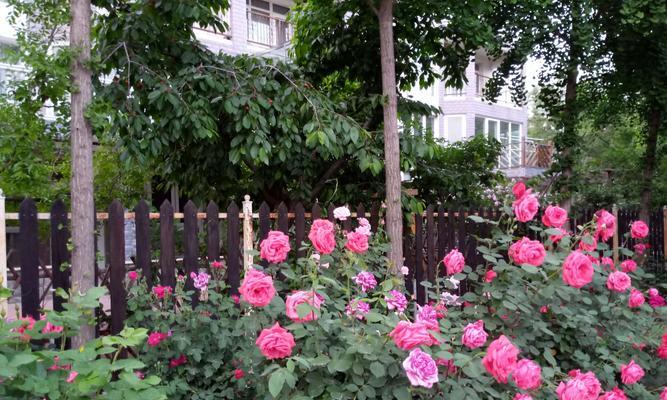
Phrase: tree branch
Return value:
(333, 168)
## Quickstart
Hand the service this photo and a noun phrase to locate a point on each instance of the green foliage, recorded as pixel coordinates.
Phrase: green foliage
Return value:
(37, 369)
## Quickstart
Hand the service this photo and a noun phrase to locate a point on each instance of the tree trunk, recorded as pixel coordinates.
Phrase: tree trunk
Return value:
(654, 122)
(83, 208)
(393, 218)
(568, 138)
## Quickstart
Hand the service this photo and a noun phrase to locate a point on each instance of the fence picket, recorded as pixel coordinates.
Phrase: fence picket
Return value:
(59, 252)
(143, 241)
(375, 216)
(283, 221)
(330, 213)
(212, 232)
(408, 253)
(167, 256)
(233, 250)
(442, 235)
(190, 247)
(29, 256)
(299, 229)
(117, 266)
(430, 244)
(316, 213)
(419, 260)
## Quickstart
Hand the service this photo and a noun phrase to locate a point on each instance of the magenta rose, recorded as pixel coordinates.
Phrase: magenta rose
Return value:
(556, 238)
(577, 270)
(454, 262)
(275, 342)
(636, 299)
(161, 291)
(639, 230)
(490, 275)
(257, 288)
(275, 247)
(522, 396)
(357, 242)
(519, 189)
(629, 266)
(606, 225)
(421, 369)
(554, 217)
(588, 243)
(618, 281)
(527, 251)
(500, 359)
(580, 387)
(527, 375)
(614, 394)
(322, 235)
(408, 335)
(302, 297)
(474, 335)
(631, 373)
(663, 394)
(525, 207)
(156, 338)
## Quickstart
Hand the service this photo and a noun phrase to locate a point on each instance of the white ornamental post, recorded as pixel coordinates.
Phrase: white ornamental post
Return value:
(247, 233)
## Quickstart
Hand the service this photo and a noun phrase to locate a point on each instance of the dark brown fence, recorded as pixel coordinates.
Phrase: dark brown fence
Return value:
(184, 242)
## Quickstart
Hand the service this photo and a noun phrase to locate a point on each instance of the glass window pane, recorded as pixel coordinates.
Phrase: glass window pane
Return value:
(492, 129)
(454, 126)
(264, 5)
(280, 9)
(515, 145)
(479, 126)
(504, 137)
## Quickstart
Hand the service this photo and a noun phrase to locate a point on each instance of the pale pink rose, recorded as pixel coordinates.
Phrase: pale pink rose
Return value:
(631, 373)
(490, 275)
(500, 359)
(527, 375)
(618, 281)
(357, 308)
(420, 369)
(396, 301)
(554, 217)
(295, 299)
(275, 342)
(408, 335)
(366, 280)
(341, 213)
(606, 225)
(629, 266)
(257, 288)
(577, 270)
(580, 387)
(364, 229)
(614, 394)
(356, 242)
(519, 189)
(404, 270)
(322, 236)
(588, 243)
(522, 396)
(474, 335)
(200, 280)
(525, 207)
(636, 299)
(132, 275)
(527, 251)
(556, 238)
(454, 262)
(428, 316)
(275, 247)
(663, 394)
(72, 376)
(161, 291)
(639, 230)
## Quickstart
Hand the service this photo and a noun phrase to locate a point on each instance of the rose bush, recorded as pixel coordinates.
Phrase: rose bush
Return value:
(543, 319)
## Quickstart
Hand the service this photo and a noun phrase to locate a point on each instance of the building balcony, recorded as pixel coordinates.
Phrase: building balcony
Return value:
(505, 96)
(268, 31)
(533, 158)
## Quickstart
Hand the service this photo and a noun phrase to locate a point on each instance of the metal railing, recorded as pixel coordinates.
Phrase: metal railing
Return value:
(268, 31)
(537, 153)
(505, 95)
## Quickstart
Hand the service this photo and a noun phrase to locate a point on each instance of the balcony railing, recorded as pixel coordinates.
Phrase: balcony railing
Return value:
(268, 31)
(537, 153)
(504, 97)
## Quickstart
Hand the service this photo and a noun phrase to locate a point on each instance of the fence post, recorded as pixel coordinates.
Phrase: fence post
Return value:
(614, 210)
(3, 253)
(664, 233)
(247, 233)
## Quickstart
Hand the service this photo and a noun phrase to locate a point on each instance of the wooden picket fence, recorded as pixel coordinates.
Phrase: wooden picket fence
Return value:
(428, 237)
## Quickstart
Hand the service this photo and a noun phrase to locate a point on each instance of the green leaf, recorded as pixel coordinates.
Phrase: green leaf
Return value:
(377, 369)
(549, 357)
(276, 382)
(22, 359)
(401, 393)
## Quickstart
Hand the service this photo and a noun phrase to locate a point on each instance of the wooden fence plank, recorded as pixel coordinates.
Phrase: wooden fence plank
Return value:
(233, 250)
(167, 256)
(375, 216)
(212, 232)
(442, 236)
(117, 266)
(299, 228)
(330, 213)
(143, 241)
(264, 221)
(283, 221)
(29, 256)
(316, 212)
(190, 247)
(59, 252)
(347, 223)
(408, 253)
(430, 245)
(361, 212)
(419, 257)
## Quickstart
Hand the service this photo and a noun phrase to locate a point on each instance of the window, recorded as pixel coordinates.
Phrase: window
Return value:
(508, 134)
(430, 122)
(266, 23)
(455, 127)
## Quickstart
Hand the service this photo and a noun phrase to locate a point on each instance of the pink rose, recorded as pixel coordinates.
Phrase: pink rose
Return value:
(178, 361)
(257, 288)
(161, 291)
(640, 248)
(556, 238)
(322, 235)
(631, 373)
(522, 396)
(217, 265)
(156, 338)
(554, 217)
(527, 375)
(490, 275)
(396, 301)
(357, 308)
(275, 342)
(662, 351)
(655, 299)
(449, 364)
(527, 251)
(132, 275)
(663, 394)
(588, 243)
(366, 280)
(474, 335)
(618, 281)
(525, 207)
(607, 263)
(420, 369)
(577, 270)
(275, 247)
(636, 299)
(302, 297)
(606, 225)
(500, 359)
(238, 374)
(72, 375)
(580, 387)
(428, 316)
(639, 230)
(454, 262)
(357, 242)
(614, 394)
(408, 335)
(519, 189)
(544, 309)
(629, 266)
